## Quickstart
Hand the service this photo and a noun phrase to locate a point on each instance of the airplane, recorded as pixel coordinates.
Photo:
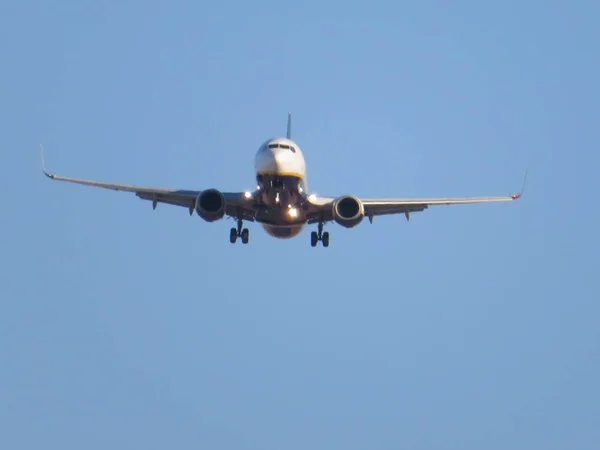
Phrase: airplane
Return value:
(281, 202)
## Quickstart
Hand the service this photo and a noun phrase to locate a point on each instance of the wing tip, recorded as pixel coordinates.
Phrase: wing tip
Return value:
(49, 175)
(520, 194)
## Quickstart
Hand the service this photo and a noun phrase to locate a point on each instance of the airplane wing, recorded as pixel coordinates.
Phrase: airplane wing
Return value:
(383, 206)
(237, 205)
(322, 207)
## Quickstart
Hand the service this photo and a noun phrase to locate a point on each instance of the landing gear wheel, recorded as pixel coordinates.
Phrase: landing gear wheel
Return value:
(239, 233)
(314, 239)
(316, 236)
(325, 239)
(245, 236)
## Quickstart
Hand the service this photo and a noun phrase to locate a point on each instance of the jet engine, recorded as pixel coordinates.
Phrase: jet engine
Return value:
(210, 205)
(348, 211)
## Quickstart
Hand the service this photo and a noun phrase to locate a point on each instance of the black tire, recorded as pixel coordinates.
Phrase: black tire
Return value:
(326, 239)
(314, 239)
(245, 236)
(233, 235)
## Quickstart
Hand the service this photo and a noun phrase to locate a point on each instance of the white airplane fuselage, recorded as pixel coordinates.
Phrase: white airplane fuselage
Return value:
(281, 184)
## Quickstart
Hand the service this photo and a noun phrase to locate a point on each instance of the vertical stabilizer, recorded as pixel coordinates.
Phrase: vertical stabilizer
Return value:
(289, 126)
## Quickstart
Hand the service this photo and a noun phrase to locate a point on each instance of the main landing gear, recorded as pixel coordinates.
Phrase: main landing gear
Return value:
(239, 232)
(315, 237)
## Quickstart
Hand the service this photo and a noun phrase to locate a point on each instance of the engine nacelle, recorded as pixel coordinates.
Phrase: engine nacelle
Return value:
(348, 211)
(210, 205)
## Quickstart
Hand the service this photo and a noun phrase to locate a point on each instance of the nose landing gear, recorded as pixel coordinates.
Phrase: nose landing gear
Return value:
(239, 232)
(315, 237)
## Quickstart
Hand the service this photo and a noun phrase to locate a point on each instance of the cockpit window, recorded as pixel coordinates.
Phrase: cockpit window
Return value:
(286, 146)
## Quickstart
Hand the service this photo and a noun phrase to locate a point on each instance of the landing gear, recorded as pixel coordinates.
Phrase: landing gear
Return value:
(315, 237)
(244, 233)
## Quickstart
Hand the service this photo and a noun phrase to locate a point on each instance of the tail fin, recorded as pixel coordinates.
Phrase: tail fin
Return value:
(289, 126)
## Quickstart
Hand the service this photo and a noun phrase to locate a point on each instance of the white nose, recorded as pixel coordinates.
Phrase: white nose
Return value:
(273, 160)
(280, 157)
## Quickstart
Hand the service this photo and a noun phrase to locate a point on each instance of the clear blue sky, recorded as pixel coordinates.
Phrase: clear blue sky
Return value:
(469, 327)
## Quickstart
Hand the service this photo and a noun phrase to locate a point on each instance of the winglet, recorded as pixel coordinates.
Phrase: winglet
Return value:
(44, 164)
(289, 126)
(516, 196)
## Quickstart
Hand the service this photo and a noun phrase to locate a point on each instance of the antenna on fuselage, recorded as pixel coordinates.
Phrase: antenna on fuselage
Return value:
(289, 126)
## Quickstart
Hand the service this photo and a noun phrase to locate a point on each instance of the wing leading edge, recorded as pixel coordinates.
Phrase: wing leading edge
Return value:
(237, 204)
(378, 207)
(322, 206)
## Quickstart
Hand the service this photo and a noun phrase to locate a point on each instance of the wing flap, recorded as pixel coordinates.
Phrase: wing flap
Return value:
(177, 198)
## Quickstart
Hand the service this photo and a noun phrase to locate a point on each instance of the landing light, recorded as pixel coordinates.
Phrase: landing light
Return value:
(293, 212)
(247, 194)
(312, 197)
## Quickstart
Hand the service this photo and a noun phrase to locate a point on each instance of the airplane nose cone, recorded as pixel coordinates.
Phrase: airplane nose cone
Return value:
(272, 161)
(280, 158)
